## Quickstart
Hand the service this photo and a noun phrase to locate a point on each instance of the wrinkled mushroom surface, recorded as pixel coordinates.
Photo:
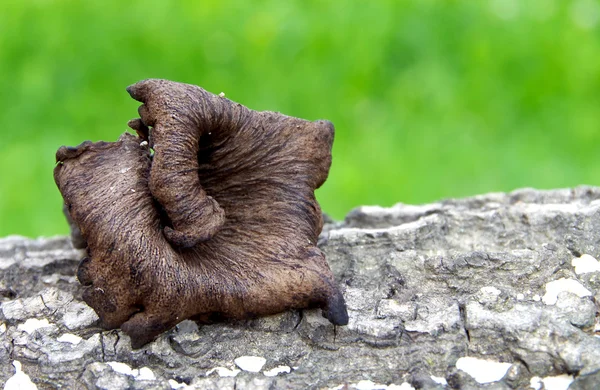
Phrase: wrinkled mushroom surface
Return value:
(219, 222)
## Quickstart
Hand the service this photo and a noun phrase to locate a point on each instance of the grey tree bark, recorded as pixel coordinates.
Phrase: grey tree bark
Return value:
(494, 291)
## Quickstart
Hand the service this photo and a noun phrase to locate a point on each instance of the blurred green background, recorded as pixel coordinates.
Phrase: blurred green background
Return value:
(431, 99)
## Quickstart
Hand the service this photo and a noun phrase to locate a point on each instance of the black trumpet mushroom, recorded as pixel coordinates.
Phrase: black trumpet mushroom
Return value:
(208, 213)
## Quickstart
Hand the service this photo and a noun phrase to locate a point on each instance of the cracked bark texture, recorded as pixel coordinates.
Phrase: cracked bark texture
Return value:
(425, 286)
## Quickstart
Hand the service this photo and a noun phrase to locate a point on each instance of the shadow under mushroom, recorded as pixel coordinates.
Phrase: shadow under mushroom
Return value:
(220, 221)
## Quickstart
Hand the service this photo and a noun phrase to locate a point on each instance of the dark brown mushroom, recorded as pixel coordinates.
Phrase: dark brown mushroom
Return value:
(220, 222)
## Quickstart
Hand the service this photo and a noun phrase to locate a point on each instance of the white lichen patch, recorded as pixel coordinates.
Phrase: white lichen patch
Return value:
(535, 383)
(143, 374)
(250, 363)
(491, 290)
(278, 370)
(370, 385)
(2, 328)
(33, 324)
(19, 381)
(585, 264)
(121, 368)
(439, 380)
(560, 382)
(557, 286)
(176, 385)
(69, 338)
(488, 294)
(223, 372)
(483, 371)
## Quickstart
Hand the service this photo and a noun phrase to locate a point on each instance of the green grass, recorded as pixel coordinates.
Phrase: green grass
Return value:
(431, 99)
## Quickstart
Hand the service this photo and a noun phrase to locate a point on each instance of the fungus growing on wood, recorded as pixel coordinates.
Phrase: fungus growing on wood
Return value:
(219, 222)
